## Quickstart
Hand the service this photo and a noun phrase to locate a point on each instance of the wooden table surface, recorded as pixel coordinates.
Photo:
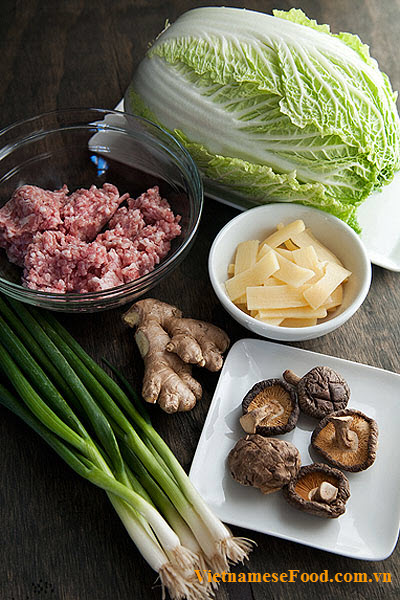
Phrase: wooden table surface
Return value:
(60, 538)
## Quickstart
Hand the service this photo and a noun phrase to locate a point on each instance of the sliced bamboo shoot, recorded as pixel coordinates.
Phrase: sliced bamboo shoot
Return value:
(301, 312)
(242, 300)
(272, 281)
(334, 300)
(291, 273)
(307, 257)
(269, 320)
(279, 296)
(231, 270)
(290, 279)
(236, 286)
(263, 250)
(298, 322)
(319, 292)
(285, 253)
(246, 256)
(306, 238)
(281, 235)
(290, 246)
(243, 307)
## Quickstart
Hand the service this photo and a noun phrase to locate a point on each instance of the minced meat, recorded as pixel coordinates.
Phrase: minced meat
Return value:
(125, 223)
(56, 262)
(88, 211)
(29, 211)
(152, 206)
(68, 256)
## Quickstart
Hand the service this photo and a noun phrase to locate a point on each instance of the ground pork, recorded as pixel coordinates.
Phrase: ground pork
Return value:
(88, 211)
(56, 262)
(110, 275)
(139, 256)
(29, 211)
(139, 248)
(65, 259)
(125, 223)
(152, 206)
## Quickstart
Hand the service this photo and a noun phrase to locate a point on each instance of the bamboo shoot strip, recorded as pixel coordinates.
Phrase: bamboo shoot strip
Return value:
(269, 297)
(319, 292)
(300, 312)
(306, 238)
(291, 273)
(281, 235)
(246, 255)
(266, 266)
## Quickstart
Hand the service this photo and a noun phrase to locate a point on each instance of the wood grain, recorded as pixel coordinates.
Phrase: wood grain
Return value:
(60, 539)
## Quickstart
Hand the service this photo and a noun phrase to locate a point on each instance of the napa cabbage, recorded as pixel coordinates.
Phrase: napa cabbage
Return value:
(272, 108)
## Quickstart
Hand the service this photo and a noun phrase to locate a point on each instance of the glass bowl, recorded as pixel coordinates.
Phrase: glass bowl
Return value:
(81, 147)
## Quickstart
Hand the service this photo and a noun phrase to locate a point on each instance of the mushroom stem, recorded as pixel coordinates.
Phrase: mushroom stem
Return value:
(326, 492)
(291, 377)
(251, 419)
(345, 438)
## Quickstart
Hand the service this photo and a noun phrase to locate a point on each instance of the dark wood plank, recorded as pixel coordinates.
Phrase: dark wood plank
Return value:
(60, 537)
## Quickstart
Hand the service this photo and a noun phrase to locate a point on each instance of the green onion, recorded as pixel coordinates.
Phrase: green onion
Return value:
(161, 545)
(216, 540)
(128, 459)
(162, 501)
(136, 526)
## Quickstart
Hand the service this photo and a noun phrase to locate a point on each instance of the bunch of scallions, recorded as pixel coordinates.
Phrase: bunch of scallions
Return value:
(63, 394)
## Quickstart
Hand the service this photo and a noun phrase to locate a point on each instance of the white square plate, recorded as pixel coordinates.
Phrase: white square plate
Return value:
(369, 528)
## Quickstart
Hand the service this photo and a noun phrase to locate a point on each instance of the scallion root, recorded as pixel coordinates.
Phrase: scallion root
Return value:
(180, 587)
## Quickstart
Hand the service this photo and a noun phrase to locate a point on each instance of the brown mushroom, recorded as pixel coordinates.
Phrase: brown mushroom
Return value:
(269, 408)
(347, 439)
(319, 490)
(264, 463)
(321, 391)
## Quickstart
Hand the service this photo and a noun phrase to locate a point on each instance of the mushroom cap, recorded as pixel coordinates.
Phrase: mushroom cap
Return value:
(322, 391)
(281, 397)
(264, 463)
(310, 477)
(354, 459)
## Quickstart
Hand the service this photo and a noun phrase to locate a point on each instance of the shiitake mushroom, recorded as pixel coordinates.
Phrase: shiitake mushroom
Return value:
(264, 463)
(320, 490)
(320, 391)
(269, 408)
(347, 439)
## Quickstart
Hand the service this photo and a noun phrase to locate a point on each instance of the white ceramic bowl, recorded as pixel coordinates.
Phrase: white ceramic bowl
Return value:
(259, 222)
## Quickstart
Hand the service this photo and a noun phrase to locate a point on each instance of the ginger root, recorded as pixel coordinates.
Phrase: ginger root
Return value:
(169, 346)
